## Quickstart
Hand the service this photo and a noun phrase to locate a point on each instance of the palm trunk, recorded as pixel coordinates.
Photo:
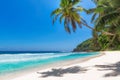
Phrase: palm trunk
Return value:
(106, 33)
(88, 26)
(112, 40)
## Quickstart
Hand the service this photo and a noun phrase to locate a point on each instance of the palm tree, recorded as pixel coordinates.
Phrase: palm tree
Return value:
(69, 13)
(106, 17)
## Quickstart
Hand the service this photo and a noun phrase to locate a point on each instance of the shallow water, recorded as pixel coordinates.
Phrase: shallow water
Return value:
(14, 62)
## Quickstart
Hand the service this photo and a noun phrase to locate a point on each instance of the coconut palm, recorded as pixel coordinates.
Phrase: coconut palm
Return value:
(69, 13)
(106, 17)
(106, 13)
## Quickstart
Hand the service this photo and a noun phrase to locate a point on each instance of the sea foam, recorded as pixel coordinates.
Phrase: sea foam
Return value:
(29, 56)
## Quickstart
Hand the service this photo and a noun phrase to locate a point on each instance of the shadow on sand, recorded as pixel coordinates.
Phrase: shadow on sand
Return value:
(60, 72)
(114, 67)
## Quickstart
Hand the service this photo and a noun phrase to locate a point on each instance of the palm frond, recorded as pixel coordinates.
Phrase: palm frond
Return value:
(74, 2)
(73, 23)
(66, 25)
(108, 18)
(95, 15)
(61, 18)
(78, 9)
(64, 3)
(55, 18)
(57, 11)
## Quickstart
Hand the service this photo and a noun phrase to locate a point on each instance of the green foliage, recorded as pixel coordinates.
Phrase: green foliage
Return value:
(106, 18)
(68, 12)
(103, 41)
(87, 45)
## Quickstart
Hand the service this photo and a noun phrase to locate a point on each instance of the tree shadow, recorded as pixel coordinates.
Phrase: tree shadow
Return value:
(114, 67)
(60, 72)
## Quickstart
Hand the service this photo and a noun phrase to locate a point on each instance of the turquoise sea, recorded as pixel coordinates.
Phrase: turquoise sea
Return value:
(10, 62)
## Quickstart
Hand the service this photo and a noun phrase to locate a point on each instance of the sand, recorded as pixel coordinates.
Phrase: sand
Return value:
(105, 67)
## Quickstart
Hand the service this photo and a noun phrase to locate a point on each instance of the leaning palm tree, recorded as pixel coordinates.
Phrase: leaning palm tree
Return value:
(69, 12)
(106, 17)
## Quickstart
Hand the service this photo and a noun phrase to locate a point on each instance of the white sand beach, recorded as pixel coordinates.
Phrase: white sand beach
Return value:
(105, 67)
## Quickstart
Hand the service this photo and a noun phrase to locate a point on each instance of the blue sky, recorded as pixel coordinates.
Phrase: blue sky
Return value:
(27, 25)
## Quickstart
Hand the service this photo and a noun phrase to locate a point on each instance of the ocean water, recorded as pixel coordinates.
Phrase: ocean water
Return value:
(10, 62)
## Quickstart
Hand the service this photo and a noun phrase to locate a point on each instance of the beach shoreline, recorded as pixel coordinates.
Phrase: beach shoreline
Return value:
(16, 74)
(35, 73)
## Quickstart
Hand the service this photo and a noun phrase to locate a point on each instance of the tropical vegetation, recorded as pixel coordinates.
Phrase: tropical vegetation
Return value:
(106, 19)
(69, 12)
